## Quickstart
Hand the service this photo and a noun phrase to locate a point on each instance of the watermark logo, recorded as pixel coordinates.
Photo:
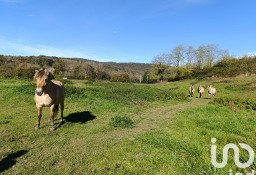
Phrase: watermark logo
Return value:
(236, 154)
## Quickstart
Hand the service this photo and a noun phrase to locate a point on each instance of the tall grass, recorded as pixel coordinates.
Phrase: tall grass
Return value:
(124, 93)
(171, 134)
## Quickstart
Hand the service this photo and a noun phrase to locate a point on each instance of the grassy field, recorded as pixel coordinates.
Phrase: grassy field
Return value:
(171, 135)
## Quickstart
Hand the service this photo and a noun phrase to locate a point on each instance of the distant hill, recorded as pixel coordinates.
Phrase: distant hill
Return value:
(71, 67)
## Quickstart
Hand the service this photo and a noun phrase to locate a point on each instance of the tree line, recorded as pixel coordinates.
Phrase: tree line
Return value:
(24, 67)
(184, 62)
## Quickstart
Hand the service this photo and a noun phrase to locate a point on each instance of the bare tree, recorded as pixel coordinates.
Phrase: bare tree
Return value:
(160, 59)
(190, 56)
(200, 56)
(178, 55)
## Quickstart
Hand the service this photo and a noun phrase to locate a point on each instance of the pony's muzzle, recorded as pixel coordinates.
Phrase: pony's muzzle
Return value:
(39, 91)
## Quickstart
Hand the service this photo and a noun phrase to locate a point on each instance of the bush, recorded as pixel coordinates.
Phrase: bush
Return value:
(25, 72)
(74, 92)
(122, 77)
(102, 75)
(247, 103)
(121, 121)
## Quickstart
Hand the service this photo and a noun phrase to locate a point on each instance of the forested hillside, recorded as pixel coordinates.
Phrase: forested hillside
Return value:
(75, 68)
(181, 63)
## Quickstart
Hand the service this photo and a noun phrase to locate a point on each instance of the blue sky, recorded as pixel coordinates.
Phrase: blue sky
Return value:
(124, 30)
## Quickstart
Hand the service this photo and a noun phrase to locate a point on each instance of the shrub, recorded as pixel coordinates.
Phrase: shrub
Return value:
(121, 77)
(121, 121)
(247, 103)
(102, 75)
(74, 92)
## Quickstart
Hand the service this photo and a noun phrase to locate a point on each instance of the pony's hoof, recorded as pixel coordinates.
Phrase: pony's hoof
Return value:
(36, 128)
(62, 120)
(52, 129)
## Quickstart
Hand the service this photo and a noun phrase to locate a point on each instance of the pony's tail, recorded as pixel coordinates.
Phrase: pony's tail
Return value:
(56, 109)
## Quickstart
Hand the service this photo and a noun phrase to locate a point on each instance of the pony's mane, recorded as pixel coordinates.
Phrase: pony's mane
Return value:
(42, 72)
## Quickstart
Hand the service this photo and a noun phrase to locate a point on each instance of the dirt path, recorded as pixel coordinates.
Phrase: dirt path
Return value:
(154, 118)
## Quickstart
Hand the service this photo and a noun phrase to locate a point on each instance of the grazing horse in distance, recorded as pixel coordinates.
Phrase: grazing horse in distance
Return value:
(191, 90)
(200, 90)
(211, 91)
(48, 93)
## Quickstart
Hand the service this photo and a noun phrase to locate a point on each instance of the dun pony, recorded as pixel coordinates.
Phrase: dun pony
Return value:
(200, 90)
(191, 90)
(48, 93)
(211, 91)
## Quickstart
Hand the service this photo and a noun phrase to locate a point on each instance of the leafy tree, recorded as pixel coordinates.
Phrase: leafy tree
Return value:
(59, 67)
(156, 72)
(120, 77)
(89, 72)
(102, 75)
(77, 74)
(44, 61)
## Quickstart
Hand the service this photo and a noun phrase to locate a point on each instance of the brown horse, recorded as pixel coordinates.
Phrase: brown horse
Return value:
(49, 93)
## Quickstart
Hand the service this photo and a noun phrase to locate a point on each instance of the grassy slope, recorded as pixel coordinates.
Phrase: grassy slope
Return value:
(170, 137)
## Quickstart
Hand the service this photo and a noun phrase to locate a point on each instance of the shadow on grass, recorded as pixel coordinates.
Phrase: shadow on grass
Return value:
(80, 117)
(205, 98)
(7, 162)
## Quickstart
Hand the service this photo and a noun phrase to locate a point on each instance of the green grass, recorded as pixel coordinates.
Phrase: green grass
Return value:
(171, 134)
(121, 121)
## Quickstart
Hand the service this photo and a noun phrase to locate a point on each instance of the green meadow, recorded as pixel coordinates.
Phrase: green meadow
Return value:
(164, 131)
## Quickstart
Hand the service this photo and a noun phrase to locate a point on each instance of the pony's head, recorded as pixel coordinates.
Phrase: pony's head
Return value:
(209, 87)
(42, 77)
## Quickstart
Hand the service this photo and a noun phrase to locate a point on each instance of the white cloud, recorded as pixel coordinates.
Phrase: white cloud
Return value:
(22, 49)
(31, 15)
(19, 49)
(251, 53)
(50, 51)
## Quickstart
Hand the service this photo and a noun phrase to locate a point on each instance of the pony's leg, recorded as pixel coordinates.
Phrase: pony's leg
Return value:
(61, 110)
(52, 113)
(39, 116)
